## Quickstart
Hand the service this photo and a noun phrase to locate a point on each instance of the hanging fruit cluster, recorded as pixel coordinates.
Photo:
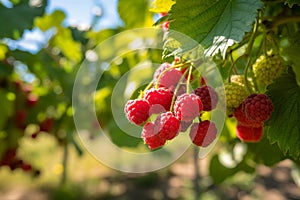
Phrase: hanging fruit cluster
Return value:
(167, 107)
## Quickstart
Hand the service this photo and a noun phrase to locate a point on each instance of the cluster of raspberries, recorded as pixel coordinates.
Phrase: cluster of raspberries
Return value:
(174, 109)
(251, 111)
(251, 115)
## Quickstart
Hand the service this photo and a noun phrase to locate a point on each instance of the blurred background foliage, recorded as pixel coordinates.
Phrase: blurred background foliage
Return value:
(41, 156)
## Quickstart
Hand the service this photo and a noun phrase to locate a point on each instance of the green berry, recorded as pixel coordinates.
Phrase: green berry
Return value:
(235, 94)
(267, 68)
(239, 79)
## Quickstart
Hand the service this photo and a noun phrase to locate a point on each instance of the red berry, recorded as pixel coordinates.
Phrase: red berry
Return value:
(203, 81)
(46, 125)
(150, 136)
(165, 77)
(168, 125)
(137, 111)
(9, 156)
(32, 100)
(159, 99)
(160, 70)
(26, 167)
(203, 133)
(165, 26)
(187, 107)
(20, 119)
(258, 107)
(208, 96)
(241, 117)
(248, 133)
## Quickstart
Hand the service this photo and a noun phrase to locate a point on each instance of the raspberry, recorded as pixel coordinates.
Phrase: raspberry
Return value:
(239, 79)
(267, 68)
(187, 107)
(248, 133)
(242, 119)
(208, 96)
(150, 136)
(159, 99)
(203, 133)
(235, 94)
(160, 69)
(137, 111)
(168, 125)
(170, 78)
(258, 107)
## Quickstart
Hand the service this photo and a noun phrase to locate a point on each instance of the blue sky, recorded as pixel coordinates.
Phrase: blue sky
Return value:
(78, 13)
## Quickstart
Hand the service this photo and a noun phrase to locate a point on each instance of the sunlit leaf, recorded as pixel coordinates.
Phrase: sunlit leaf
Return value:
(161, 6)
(207, 21)
(64, 41)
(135, 14)
(48, 21)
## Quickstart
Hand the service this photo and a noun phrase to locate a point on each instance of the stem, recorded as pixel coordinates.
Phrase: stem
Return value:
(285, 20)
(167, 69)
(146, 88)
(248, 53)
(64, 163)
(176, 90)
(188, 80)
(197, 189)
(232, 67)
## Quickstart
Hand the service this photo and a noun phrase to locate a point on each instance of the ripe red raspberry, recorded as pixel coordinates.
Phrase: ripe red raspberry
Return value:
(32, 100)
(150, 136)
(208, 96)
(248, 133)
(187, 107)
(258, 107)
(242, 119)
(203, 133)
(159, 99)
(168, 125)
(137, 111)
(160, 69)
(168, 79)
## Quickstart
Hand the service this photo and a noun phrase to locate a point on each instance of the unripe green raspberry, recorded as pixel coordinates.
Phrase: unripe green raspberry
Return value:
(239, 79)
(235, 94)
(267, 68)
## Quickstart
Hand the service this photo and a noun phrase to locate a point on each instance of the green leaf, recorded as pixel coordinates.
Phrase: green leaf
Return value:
(120, 138)
(65, 42)
(161, 6)
(290, 3)
(206, 21)
(46, 22)
(264, 152)
(3, 50)
(220, 173)
(15, 20)
(135, 14)
(291, 49)
(7, 108)
(284, 123)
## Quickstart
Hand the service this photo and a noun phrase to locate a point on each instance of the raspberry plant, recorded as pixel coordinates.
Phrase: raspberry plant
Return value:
(255, 45)
(256, 53)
